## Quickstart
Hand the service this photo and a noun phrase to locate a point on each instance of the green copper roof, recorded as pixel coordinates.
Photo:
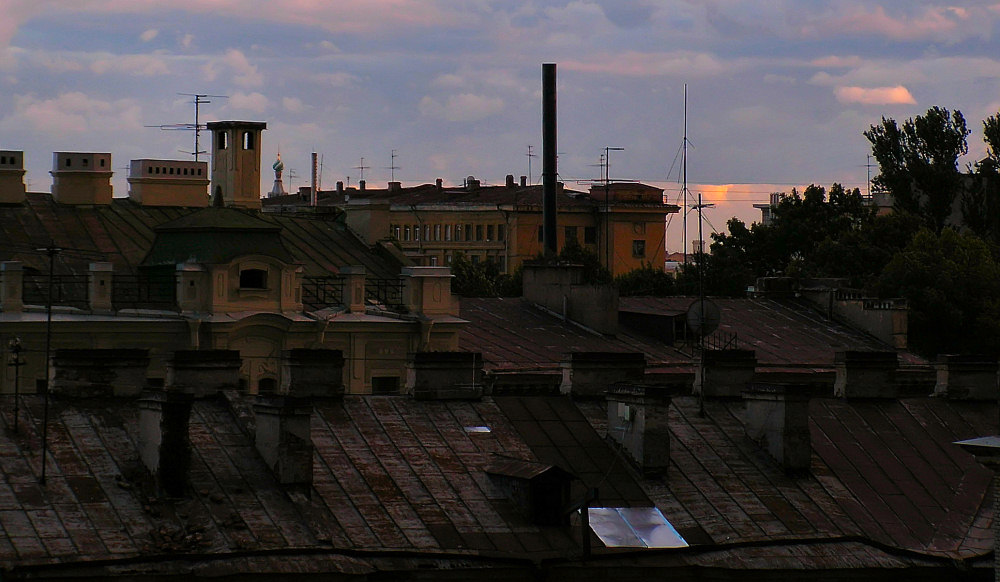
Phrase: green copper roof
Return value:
(215, 236)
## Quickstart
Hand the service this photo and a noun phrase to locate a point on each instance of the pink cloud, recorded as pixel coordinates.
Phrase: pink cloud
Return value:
(898, 95)
(643, 64)
(934, 22)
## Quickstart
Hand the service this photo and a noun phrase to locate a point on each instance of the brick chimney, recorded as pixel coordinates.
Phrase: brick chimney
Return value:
(164, 440)
(589, 374)
(862, 374)
(312, 373)
(102, 373)
(726, 373)
(777, 418)
(204, 373)
(283, 438)
(445, 376)
(967, 376)
(637, 423)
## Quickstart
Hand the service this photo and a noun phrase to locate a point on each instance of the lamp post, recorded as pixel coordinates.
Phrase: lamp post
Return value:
(14, 347)
(52, 250)
(607, 206)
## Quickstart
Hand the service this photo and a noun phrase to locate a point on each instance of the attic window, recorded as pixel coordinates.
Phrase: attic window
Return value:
(253, 279)
(222, 140)
(247, 140)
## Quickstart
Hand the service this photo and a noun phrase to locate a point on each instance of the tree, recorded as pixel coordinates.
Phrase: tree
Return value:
(918, 163)
(952, 286)
(647, 280)
(981, 199)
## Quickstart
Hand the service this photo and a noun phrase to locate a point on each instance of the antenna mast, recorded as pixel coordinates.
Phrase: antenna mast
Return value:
(361, 167)
(684, 174)
(530, 155)
(199, 100)
(392, 166)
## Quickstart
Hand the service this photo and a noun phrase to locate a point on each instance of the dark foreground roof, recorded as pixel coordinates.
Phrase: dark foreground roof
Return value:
(400, 487)
(123, 232)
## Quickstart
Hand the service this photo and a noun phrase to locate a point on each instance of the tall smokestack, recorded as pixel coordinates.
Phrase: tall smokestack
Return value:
(549, 158)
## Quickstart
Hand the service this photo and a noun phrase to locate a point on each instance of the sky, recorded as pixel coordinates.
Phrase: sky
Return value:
(779, 91)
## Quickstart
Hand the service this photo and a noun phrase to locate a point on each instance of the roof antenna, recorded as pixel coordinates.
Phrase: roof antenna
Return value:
(392, 167)
(362, 167)
(197, 126)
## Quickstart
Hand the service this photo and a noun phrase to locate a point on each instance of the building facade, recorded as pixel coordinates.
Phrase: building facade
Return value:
(624, 224)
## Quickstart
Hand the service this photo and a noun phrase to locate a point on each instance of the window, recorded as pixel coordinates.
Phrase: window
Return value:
(222, 140)
(406, 232)
(267, 386)
(475, 259)
(248, 140)
(102, 162)
(69, 162)
(541, 234)
(427, 232)
(590, 235)
(437, 232)
(395, 232)
(385, 384)
(638, 249)
(86, 162)
(571, 235)
(253, 279)
(468, 232)
(489, 232)
(447, 259)
(434, 261)
(447, 232)
(479, 232)
(416, 232)
(500, 232)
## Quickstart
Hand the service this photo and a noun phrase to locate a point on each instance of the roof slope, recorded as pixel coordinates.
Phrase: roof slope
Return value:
(512, 333)
(399, 483)
(882, 470)
(123, 232)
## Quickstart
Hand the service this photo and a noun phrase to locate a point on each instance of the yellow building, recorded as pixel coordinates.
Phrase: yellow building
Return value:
(163, 273)
(622, 223)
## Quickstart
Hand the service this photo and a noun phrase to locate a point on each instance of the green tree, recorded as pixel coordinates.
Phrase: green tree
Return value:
(981, 199)
(951, 283)
(647, 280)
(918, 163)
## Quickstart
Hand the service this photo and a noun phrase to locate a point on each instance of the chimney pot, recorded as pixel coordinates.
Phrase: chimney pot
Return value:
(510, 180)
(524, 181)
(361, 185)
(777, 418)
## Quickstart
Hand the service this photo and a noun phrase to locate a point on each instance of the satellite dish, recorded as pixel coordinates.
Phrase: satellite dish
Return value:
(703, 316)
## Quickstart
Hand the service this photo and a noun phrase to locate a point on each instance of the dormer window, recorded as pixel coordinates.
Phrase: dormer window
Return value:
(253, 279)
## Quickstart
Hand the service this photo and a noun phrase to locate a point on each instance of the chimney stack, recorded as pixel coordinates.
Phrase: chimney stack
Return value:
(777, 418)
(510, 180)
(524, 181)
(164, 440)
(549, 159)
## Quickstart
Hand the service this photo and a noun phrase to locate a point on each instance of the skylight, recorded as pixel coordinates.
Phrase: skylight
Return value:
(634, 527)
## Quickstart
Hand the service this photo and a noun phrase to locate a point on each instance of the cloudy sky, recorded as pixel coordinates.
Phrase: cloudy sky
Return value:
(780, 91)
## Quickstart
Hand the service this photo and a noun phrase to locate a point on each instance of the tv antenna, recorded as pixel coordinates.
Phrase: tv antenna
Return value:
(392, 166)
(199, 100)
(363, 167)
(530, 155)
